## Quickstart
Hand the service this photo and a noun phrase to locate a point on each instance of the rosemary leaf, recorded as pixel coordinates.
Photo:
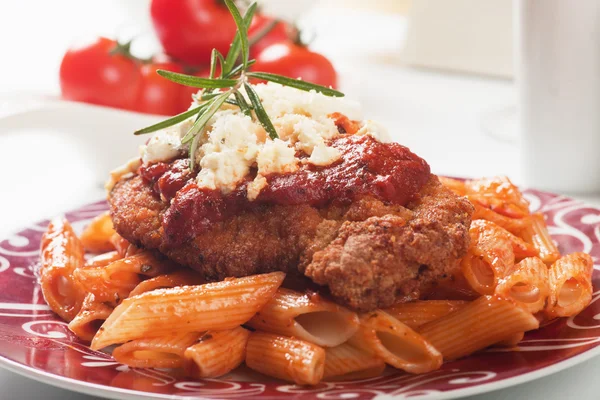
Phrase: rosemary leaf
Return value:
(209, 96)
(243, 104)
(261, 114)
(211, 109)
(240, 38)
(239, 69)
(192, 151)
(295, 83)
(169, 122)
(214, 57)
(195, 81)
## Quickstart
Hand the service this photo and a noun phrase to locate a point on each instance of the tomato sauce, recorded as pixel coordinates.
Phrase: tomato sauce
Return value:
(388, 171)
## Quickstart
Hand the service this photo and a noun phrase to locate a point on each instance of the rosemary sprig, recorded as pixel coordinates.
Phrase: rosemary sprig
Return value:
(295, 83)
(204, 116)
(261, 114)
(225, 88)
(170, 122)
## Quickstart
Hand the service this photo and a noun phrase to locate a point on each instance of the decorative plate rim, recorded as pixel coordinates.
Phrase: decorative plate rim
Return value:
(110, 392)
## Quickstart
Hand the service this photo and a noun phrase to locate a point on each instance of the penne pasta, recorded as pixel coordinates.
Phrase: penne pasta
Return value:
(570, 280)
(286, 358)
(93, 280)
(182, 277)
(116, 280)
(416, 313)
(103, 260)
(96, 237)
(456, 185)
(124, 271)
(120, 244)
(395, 343)
(490, 256)
(482, 323)
(158, 352)
(538, 235)
(512, 340)
(216, 353)
(499, 195)
(213, 306)
(306, 316)
(514, 225)
(455, 287)
(61, 254)
(527, 284)
(89, 319)
(349, 362)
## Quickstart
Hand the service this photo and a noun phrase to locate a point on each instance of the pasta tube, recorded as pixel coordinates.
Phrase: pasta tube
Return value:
(570, 280)
(498, 194)
(182, 277)
(159, 352)
(457, 186)
(527, 284)
(490, 256)
(539, 236)
(116, 280)
(96, 236)
(511, 341)
(349, 362)
(416, 313)
(103, 260)
(395, 343)
(61, 254)
(290, 359)
(513, 225)
(120, 244)
(89, 319)
(216, 353)
(306, 316)
(485, 321)
(213, 306)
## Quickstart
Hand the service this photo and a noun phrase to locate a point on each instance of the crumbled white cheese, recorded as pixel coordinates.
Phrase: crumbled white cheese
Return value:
(376, 130)
(165, 144)
(230, 149)
(233, 143)
(323, 155)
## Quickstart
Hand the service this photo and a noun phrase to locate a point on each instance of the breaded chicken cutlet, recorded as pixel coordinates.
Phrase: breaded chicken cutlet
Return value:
(375, 227)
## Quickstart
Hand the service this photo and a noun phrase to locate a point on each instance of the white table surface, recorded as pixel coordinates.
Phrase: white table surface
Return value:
(440, 116)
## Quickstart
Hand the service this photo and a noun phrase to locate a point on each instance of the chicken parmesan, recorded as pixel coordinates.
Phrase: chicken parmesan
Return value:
(331, 198)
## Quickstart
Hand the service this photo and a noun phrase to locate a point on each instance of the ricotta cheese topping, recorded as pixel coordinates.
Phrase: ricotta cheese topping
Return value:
(232, 143)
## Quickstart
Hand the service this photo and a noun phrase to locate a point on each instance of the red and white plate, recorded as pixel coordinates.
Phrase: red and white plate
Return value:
(36, 343)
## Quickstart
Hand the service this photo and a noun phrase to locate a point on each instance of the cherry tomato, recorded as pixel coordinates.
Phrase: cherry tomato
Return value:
(296, 61)
(190, 29)
(158, 95)
(90, 73)
(281, 32)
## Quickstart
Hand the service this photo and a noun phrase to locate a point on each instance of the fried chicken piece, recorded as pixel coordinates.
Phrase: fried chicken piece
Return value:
(370, 254)
(375, 262)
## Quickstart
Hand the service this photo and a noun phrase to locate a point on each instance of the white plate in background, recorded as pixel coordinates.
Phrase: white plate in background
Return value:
(55, 155)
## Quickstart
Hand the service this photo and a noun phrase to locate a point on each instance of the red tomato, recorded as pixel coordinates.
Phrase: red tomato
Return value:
(296, 61)
(190, 29)
(91, 74)
(281, 32)
(185, 96)
(158, 95)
